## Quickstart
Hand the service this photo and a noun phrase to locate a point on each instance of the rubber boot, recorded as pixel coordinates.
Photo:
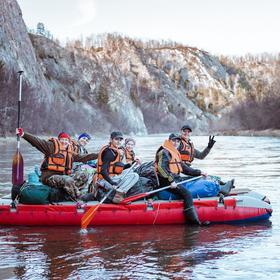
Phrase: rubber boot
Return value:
(225, 189)
(191, 216)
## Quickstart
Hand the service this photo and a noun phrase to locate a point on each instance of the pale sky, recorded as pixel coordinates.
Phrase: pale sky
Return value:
(230, 27)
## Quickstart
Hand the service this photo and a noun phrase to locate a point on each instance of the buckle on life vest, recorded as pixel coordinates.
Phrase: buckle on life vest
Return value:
(185, 157)
(58, 159)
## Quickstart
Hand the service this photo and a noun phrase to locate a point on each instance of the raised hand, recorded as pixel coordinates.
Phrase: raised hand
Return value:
(19, 131)
(211, 142)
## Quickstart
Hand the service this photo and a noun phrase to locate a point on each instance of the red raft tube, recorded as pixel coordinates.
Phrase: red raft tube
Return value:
(238, 208)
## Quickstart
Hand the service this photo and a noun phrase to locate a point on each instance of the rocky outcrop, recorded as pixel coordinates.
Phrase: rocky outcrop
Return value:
(17, 52)
(122, 84)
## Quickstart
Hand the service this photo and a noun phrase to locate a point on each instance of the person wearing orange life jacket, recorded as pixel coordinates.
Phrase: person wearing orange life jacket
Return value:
(56, 167)
(109, 166)
(168, 166)
(127, 152)
(186, 147)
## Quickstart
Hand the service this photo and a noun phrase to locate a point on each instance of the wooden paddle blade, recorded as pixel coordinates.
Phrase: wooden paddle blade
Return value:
(88, 216)
(17, 169)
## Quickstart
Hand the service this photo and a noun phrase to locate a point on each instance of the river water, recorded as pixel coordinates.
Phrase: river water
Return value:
(155, 252)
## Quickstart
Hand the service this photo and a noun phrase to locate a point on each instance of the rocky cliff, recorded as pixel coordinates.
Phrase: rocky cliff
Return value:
(120, 84)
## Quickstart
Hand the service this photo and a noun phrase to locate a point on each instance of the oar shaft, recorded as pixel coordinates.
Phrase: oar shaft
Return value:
(88, 216)
(19, 102)
(142, 195)
(18, 164)
(179, 183)
(19, 96)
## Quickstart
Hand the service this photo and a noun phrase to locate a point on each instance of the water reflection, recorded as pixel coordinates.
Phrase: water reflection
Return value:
(155, 252)
(120, 252)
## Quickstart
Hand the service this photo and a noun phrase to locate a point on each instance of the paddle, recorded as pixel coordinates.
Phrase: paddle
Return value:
(18, 164)
(141, 195)
(88, 216)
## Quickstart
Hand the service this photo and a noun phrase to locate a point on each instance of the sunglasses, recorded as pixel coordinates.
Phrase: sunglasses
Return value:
(118, 138)
(64, 140)
(85, 139)
(175, 140)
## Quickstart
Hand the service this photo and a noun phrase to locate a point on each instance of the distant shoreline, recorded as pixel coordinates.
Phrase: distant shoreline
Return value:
(267, 132)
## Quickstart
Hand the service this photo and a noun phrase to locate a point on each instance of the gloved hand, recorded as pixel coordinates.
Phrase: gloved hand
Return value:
(211, 142)
(173, 185)
(114, 183)
(19, 131)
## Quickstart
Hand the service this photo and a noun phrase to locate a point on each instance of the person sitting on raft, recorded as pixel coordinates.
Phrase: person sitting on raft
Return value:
(128, 154)
(56, 167)
(186, 148)
(79, 146)
(109, 165)
(168, 166)
(189, 153)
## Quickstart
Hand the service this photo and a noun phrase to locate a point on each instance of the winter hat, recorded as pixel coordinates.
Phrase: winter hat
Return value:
(63, 135)
(84, 135)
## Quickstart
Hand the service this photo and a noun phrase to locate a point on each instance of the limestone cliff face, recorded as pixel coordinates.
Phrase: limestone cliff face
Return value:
(122, 84)
(137, 89)
(17, 52)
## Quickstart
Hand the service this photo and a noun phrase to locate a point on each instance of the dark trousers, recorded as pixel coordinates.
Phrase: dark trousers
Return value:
(189, 210)
(180, 191)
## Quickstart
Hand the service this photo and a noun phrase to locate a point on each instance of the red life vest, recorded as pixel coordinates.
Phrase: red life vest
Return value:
(61, 160)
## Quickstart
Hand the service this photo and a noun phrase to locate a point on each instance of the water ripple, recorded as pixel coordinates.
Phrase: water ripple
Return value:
(156, 252)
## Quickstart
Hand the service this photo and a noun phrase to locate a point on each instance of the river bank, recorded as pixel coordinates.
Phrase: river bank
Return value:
(267, 132)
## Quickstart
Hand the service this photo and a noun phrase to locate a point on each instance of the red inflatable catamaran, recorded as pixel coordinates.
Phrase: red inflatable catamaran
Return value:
(239, 207)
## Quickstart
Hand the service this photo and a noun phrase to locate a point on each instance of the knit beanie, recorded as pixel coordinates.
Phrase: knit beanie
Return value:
(84, 135)
(63, 135)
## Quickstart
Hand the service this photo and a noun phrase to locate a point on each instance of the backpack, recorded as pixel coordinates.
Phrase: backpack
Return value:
(34, 193)
(147, 170)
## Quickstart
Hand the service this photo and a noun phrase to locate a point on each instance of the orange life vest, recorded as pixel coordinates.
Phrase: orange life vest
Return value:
(75, 146)
(78, 149)
(115, 167)
(175, 163)
(128, 156)
(186, 150)
(61, 160)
